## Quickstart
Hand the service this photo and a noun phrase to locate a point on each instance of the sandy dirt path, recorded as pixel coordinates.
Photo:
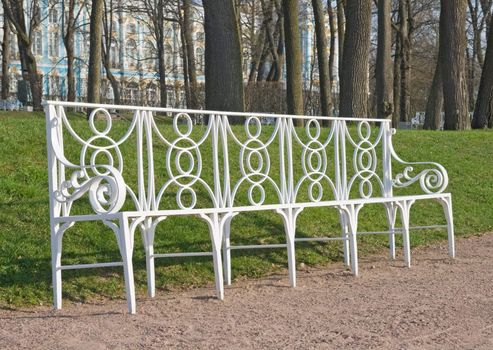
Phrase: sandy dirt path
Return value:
(438, 303)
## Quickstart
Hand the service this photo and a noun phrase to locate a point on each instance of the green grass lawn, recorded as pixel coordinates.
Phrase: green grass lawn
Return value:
(25, 264)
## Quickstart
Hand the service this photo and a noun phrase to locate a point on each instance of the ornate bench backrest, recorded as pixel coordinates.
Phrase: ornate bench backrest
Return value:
(159, 159)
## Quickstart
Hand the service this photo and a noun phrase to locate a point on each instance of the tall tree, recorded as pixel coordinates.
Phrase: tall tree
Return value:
(70, 22)
(95, 51)
(383, 73)
(17, 15)
(323, 60)
(333, 37)
(187, 28)
(434, 105)
(405, 30)
(341, 32)
(293, 59)
(483, 111)
(354, 79)
(107, 42)
(452, 50)
(223, 69)
(6, 59)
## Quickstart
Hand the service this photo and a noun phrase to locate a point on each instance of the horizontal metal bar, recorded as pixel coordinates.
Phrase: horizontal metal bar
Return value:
(178, 255)
(257, 246)
(198, 111)
(427, 227)
(320, 239)
(396, 232)
(90, 266)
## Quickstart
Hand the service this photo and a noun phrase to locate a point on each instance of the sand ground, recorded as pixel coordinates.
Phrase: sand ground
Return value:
(438, 303)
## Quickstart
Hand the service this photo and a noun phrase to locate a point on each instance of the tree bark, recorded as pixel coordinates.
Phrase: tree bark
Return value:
(294, 87)
(383, 73)
(483, 111)
(333, 37)
(405, 42)
(95, 52)
(434, 105)
(354, 80)
(15, 12)
(68, 41)
(5, 59)
(323, 59)
(106, 50)
(341, 31)
(223, 70)
(397, 81)
(192, 73)
(452, 49)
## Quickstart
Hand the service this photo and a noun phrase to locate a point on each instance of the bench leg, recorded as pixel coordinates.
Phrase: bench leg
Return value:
(126, 250)
(289, 219)
(351, 216)
(405, 207)
(56, 262)
(227, 252)
(216, 226)
(345, 242)
(391, 211)
(449, 216)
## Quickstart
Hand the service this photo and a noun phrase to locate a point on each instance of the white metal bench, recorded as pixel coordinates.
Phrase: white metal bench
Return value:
(215, 171)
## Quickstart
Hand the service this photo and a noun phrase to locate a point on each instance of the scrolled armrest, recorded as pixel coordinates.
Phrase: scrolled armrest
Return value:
(106, 190)
(432, 180)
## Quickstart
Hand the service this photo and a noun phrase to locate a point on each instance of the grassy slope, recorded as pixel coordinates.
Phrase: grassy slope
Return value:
(25, 274)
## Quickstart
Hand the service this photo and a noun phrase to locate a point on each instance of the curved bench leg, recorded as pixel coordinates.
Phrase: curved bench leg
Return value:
(449, 216)
(56, 262)
(289, 219)
(345, 236)
(148, 234)
(391, 211)
(126, 250)
(405, 207)
(350, 211)
(216, 225)
(227, 251)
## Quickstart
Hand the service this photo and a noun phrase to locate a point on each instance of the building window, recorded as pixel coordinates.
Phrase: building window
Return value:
(168, 52)
(199, 58)
(132, 92)
(150, 55)
(54, 44)
(131, 49)
(114, 54)
(37, 43)
(151, 95)
(53, 16)
(131, 28)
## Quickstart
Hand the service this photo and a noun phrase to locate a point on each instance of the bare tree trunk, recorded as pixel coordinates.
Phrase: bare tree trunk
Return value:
(5, 59)
(354, 80)
(434, 105)
(192, 73)
(332, 48)
(452, 48)
(405, 42)
(397, 81)
(323, 59)
(483, 112)
(341, 31)
(294, 85)
(14, 11)
(68, 41)
(223, 71)
(95, 52)
(106, 50)
(383, 74)
(163, 93)
(280, 42)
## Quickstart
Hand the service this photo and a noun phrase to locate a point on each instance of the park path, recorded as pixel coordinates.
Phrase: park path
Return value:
(438, 303)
